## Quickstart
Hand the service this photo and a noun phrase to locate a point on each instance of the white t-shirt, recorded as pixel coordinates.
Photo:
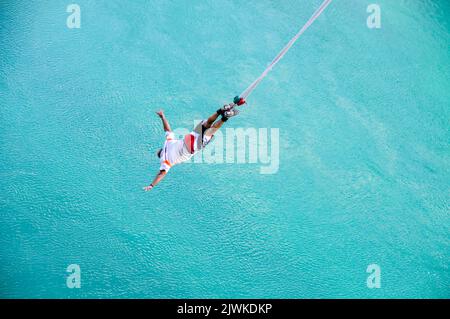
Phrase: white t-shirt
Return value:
(178, 151)
(173, 152)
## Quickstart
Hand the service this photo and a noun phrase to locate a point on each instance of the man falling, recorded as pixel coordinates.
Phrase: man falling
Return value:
(177, 151)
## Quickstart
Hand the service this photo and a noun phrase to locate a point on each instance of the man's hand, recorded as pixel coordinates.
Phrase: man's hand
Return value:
(158, 178)
(160, 113)
(148, 188)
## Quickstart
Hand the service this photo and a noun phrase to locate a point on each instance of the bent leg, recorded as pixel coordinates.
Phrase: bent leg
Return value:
(209, 122)
(214, 127)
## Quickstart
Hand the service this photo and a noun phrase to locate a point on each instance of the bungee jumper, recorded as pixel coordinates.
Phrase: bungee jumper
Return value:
(177, 151)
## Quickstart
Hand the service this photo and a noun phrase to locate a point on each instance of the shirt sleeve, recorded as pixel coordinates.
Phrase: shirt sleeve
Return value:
(170, 136)
(164, 166)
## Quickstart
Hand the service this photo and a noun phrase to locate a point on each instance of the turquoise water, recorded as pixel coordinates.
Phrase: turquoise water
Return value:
(363, 116)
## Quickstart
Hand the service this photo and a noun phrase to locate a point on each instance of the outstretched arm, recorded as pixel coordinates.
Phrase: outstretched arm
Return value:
(157, 179)
(164, 121)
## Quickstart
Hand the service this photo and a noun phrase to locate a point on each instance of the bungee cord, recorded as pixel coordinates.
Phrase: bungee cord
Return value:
(239, 100)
